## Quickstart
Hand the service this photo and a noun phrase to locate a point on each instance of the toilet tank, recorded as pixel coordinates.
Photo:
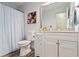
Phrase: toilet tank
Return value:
(30, 36)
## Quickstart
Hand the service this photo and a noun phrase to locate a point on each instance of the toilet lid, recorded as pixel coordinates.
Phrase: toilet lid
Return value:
(24, 42)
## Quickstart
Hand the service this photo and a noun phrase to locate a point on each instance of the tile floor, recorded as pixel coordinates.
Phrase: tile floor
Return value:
(17, 52)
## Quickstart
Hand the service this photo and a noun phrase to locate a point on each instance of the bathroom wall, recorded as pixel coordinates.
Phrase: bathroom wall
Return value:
(29, 7)
(47, 20)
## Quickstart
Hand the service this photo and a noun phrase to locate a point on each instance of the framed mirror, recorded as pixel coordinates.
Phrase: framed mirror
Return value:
(55, 15)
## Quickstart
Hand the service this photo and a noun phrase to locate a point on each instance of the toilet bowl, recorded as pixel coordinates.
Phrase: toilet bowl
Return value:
(24, 47)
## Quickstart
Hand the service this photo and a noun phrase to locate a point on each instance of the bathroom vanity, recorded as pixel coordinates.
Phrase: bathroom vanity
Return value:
(58, 37)
(57, 44)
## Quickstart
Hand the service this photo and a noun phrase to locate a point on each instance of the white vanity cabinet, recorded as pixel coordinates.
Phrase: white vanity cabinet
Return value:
(58, 44)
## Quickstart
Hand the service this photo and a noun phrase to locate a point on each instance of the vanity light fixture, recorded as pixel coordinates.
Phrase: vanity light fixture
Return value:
(47, 3)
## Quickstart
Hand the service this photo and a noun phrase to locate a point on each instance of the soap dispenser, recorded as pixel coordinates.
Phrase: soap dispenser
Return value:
(50, 28)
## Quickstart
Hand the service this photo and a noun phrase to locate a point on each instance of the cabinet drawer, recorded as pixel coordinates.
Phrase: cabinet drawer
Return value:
(62, 36)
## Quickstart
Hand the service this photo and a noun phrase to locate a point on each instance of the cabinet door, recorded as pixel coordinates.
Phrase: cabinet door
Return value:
(51, 47)
(67, 49)
(39, 47)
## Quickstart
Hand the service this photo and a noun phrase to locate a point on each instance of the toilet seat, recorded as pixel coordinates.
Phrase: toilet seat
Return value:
(24, 43)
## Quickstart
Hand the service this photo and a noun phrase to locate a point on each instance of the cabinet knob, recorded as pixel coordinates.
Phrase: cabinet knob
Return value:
(37, 56)
(33, 36)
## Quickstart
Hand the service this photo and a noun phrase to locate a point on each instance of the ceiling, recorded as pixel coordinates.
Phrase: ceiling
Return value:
(19, 5)
(14, 4)
(56, 5)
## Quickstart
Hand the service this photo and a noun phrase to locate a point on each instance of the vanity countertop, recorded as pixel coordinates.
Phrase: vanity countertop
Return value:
(60, 32)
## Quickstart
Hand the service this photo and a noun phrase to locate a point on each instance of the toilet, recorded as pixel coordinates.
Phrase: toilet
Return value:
(24, 47)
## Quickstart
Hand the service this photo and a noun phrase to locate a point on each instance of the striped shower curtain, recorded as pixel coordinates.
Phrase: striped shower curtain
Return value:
(11, 29)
